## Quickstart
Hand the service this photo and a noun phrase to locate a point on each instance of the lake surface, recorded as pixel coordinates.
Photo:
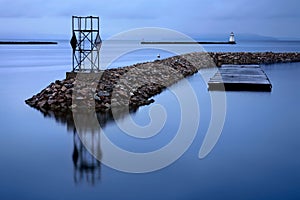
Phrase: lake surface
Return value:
(256, 156)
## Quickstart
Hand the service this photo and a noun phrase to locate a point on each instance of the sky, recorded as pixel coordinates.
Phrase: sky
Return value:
(275, 18)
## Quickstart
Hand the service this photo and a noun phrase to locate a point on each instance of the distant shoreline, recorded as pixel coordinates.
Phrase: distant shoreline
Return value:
(25, 43)
(154, 42)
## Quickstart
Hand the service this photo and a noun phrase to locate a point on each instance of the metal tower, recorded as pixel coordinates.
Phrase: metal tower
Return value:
(86, 43)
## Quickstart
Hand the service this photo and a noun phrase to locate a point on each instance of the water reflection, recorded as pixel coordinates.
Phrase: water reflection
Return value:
(87, 168)
(66, 118)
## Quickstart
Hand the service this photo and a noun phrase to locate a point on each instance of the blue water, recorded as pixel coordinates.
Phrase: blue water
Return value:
(256, 156)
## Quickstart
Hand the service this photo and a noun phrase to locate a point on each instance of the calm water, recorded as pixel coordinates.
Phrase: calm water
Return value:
(256, 156)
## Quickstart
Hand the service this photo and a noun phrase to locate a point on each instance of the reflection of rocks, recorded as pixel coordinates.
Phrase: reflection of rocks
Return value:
(133, 86)
(67, 118)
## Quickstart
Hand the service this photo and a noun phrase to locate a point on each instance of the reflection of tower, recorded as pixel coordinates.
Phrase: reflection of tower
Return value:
(86, 166)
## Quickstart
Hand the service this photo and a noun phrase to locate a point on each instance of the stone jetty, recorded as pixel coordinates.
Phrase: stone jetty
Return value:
(133, 86)
(244, 58)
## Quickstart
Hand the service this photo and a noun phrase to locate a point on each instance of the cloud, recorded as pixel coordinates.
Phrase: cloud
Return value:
(267, 9)
(18, 8)
(188, 16)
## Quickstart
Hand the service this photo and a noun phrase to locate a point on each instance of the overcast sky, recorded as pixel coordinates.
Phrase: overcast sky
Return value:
(277, 18)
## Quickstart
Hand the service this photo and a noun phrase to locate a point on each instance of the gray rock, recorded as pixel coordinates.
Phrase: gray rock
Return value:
(103, 94)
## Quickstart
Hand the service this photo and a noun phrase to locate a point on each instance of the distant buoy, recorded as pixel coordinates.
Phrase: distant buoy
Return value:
(231, 38)
(158, 55)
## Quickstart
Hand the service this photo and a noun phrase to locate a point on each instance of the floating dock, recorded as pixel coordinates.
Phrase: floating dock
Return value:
(240, 78)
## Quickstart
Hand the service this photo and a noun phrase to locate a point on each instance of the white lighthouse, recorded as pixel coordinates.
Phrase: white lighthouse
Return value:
(231, 38)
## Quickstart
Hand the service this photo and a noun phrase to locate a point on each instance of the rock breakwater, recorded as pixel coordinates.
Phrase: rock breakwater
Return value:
(133, 86)
(242, 58)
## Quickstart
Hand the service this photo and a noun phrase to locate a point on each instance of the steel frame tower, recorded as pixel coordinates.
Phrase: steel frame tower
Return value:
(86, 43)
